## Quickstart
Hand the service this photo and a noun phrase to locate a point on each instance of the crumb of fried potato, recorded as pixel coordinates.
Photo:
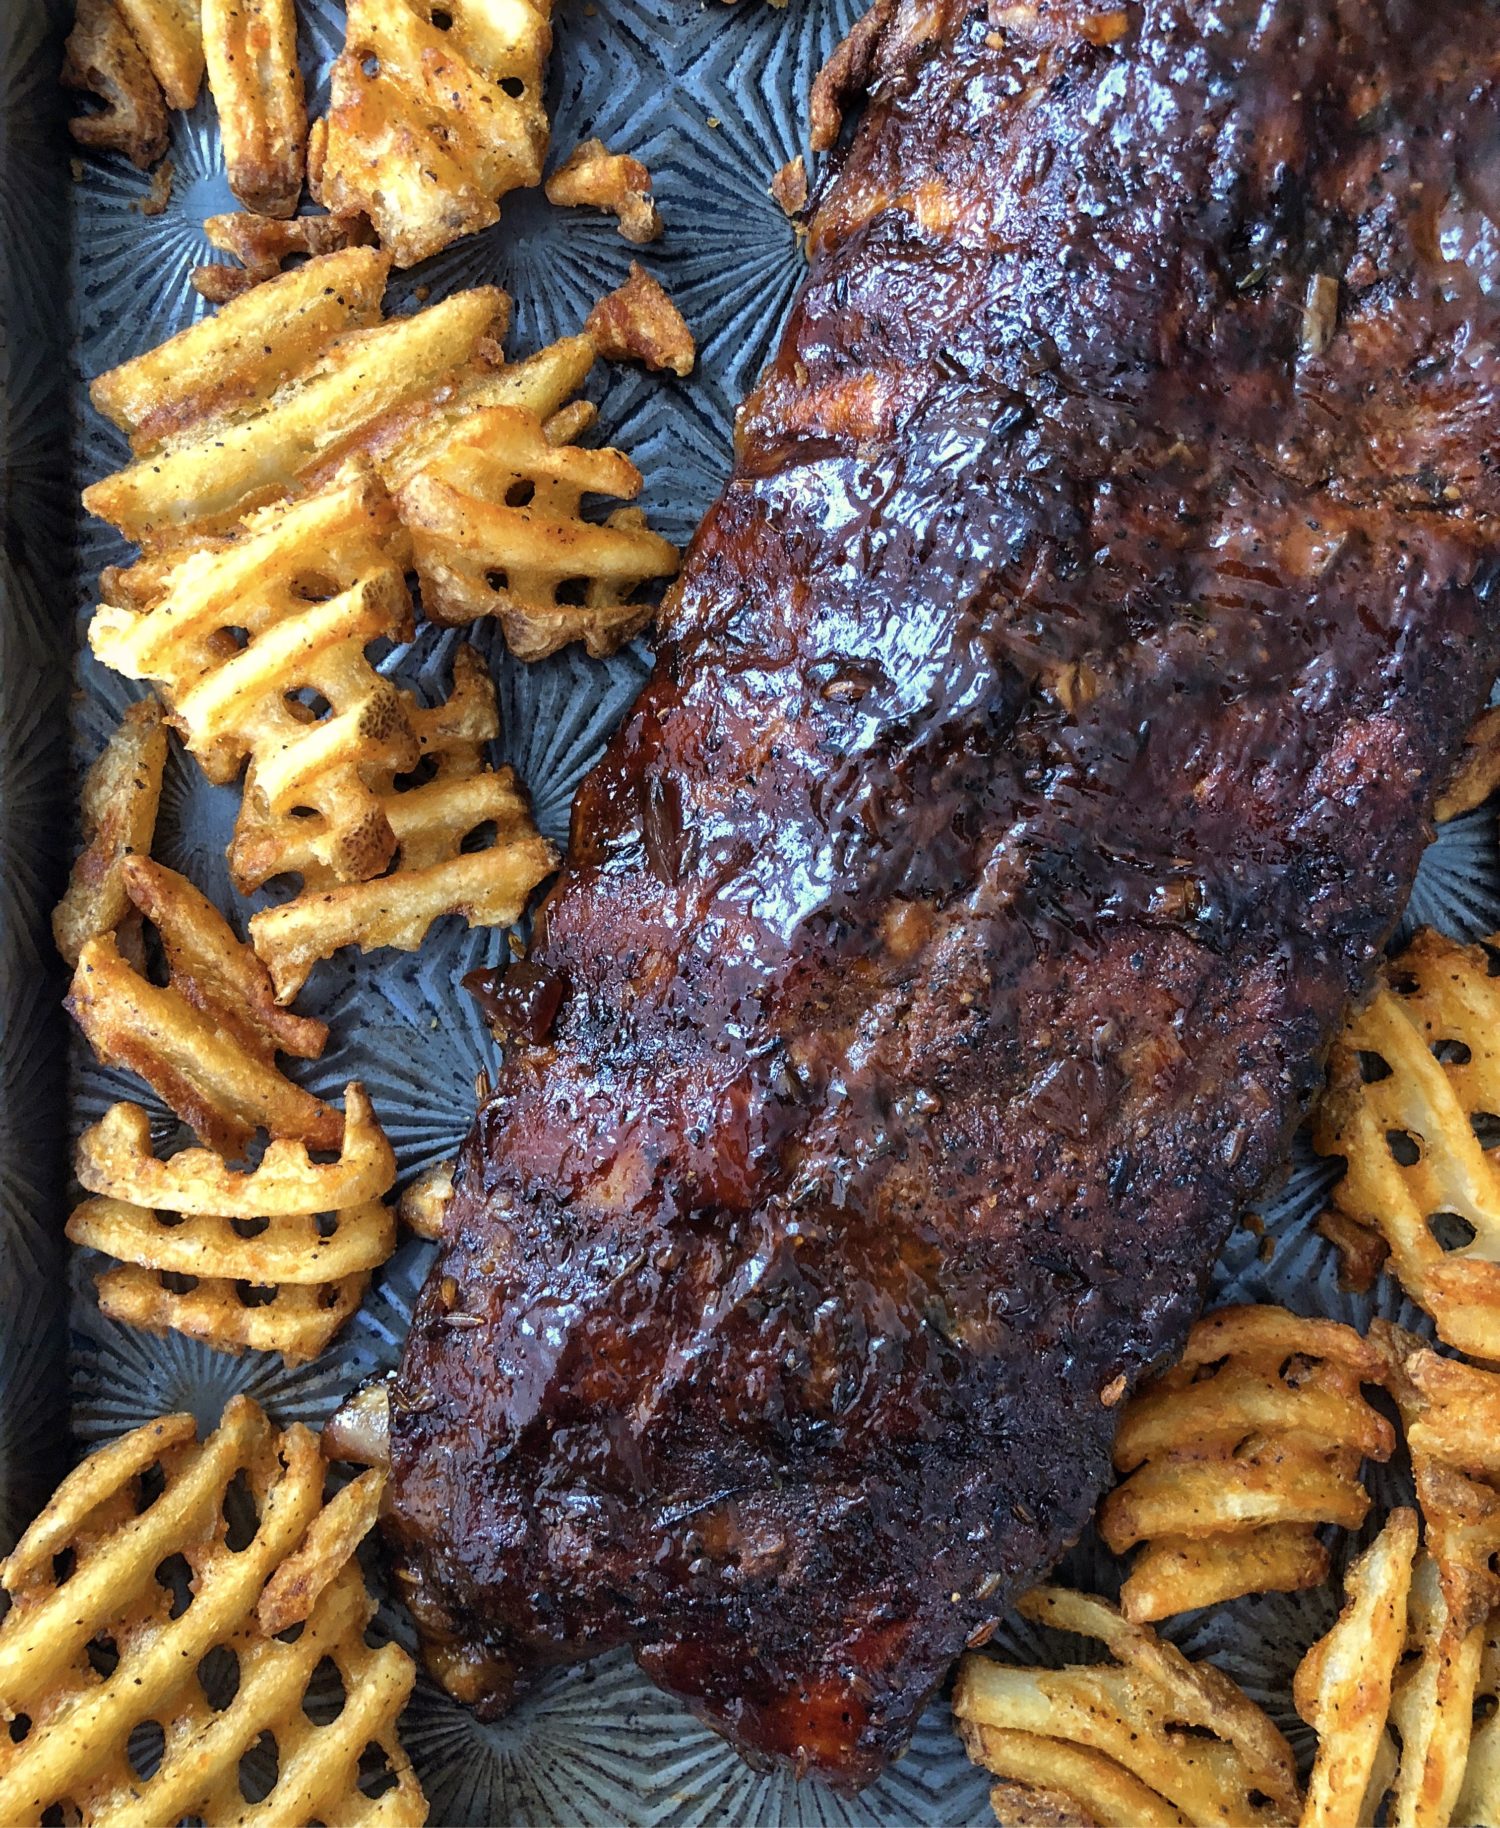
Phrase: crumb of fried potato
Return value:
(789, 186)
(159, 195)
(263, 245)
(638, 322)
(593, 177)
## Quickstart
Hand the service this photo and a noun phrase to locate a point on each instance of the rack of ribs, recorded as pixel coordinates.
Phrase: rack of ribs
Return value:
(1041, 743)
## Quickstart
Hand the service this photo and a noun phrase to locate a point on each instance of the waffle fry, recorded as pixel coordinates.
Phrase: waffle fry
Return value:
(273, 392)
(102, 58)
(1479, 1797)
(497, 529)
(251, 52)
(170, 34)
(120, 797)
(102, 1638)
(274, 1259)
(1237, 1454)
(310, 585)
(1411, 1071)
(1342, 1687)
(262, 245)
(637, 322)
(593, 177)
(206, 1040)
(429, 124)
(1151, 1738)
(433, 875)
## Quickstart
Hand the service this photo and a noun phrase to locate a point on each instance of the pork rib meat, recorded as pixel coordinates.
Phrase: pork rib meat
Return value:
(1041, 743)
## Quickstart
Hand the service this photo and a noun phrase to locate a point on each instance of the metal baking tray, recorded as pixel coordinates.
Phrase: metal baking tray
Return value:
(713, 99)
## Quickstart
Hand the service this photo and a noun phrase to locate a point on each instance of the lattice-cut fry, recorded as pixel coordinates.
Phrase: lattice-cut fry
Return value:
(262, 245)
(1479, 768)
(433, 875)
(279, 419)
(253, 75)
(593, 177)
(1235, 1456)
(134, 1599)
(1343, 1685)
(1149, 1738)
(170, 34)
(206, 1041)
(497, 529)
(235, 361)
(102, 58)
(273, 1259)
(637, 322)
(434, 115)
(120, 797)
(1479, 1799)
(424, 1203)
(1406, 1079)
(305, 587)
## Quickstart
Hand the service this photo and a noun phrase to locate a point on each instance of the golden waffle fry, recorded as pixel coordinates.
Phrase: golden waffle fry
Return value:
(1479, 768)
(1479, 1798)
(424, 1203)
(274, 1259)
(1408, 1076)
(251, 50)
(497, 529)
(1237, 1454)
(120, 797)
(593, 177)
(102, 58)
(205, 1041)
(272, 389)
(170, 34)
(306, 586)
(433, 115)
(433, 875)
(1342, 1687)
(103, 1638)
(637, 322)
(263, 245)
(1150, 1738)
(235, 361)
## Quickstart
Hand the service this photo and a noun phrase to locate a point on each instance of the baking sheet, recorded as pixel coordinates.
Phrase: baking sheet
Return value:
(713, 100)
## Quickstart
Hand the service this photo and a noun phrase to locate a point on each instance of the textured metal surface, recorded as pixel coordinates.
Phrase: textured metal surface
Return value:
(713, 101)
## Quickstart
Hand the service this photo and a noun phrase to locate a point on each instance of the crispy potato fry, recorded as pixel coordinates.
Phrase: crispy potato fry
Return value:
(1048, 1783)
(171, 35)
(310, 585)
(433, 116)
(121, 793)
(102, 58)
(271, 1260)
(432, 875)
(1235, 1456)
(1151, 1737)
(251, 51)
(593, 177)
(637, 322)
(1342, 1687)
(256, 425)
(497, 529)
(1409, 1073)
(424, 1203)
(229, 364)
(1479, 768)
(360, 1428)
(102, 1636)
(206, 1040)
(1479, 1798)
(262, 246)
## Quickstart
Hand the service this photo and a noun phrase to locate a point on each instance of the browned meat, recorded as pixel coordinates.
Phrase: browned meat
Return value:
(1040, 747)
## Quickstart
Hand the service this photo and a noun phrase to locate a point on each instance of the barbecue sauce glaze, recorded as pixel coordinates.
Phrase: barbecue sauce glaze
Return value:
(1041, 744)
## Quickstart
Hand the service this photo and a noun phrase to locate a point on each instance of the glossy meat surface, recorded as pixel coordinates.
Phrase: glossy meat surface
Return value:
(1041, 745)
